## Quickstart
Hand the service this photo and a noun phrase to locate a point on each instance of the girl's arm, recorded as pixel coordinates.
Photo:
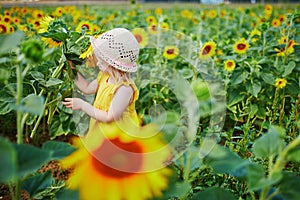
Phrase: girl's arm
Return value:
(85, 86)
(118, 105)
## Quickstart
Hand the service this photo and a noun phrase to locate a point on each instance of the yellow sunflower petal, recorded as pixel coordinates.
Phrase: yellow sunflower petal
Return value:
(99, 171)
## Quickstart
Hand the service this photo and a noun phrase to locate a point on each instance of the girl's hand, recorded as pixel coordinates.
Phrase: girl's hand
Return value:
(73, 103)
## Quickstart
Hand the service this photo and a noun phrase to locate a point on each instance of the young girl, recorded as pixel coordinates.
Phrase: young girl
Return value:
(116, 52)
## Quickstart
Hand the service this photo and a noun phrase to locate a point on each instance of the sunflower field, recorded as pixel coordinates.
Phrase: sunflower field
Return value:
(219, 103)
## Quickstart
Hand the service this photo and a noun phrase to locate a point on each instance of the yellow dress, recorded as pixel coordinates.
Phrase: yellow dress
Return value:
(105, 95)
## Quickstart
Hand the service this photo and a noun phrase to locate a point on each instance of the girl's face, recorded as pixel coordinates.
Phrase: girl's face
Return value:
(103, 66)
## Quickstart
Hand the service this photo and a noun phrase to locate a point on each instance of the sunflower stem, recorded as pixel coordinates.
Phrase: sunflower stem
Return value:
(264, 42)
(274, 109)
(79, 39)
(19, 119)
(18, 104)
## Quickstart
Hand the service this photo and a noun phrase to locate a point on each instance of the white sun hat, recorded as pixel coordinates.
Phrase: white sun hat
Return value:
(118, 47)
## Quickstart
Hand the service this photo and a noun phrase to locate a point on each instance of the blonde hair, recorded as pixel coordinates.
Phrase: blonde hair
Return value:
(118, 75)
(91, 60)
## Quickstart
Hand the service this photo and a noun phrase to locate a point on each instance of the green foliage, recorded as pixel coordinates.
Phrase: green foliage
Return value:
(270, 144)
(10, 42)
(22, 162)
(9, 161)
(213, 194)
(33, 50)
(37, 184)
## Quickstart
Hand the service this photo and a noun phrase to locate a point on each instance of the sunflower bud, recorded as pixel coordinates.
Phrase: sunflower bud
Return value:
(264, 26)
(33, 50)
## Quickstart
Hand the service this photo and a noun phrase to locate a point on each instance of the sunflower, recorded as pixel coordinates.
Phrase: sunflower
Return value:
(7, 19)
(229, 65)
(37, 14)
(141, 36)
(220, 52)
(280, 51)
(268, 9)
(171, 52)
(241, 46)
(86, 53)
(276, 22)
(212, 14)
(24, 11)
(255, 35)
(195, 20)
(186, 14)
(164, 26)
(76, 15)
(286, 49)
(280, 83)
(158, 11)
(132, 13)
(153, 28)
(84, 25)
(4, 28)
(7, 13)
(255, 32)
(16, 20)
(95, 28)
(179, 35)
(282, 18)
(223, 13)
(147, 11)
(151, 19)
(58, 12)
(36, 23)
(115, 164)
(208, 50)
(44, 24)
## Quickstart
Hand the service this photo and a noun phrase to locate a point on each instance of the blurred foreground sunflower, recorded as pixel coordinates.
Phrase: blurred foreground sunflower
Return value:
(119, 162)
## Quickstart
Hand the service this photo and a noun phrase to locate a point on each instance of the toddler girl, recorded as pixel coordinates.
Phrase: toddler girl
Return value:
(116, 52)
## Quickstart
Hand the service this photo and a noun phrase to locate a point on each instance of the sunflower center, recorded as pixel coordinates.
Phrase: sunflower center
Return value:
(241, 46)
(117, 159)
(229, 64)
(153, 27)
(3, 29)
(139, 38)
(37, 23)
(86, 26)
(206, 50)
(170, 51)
